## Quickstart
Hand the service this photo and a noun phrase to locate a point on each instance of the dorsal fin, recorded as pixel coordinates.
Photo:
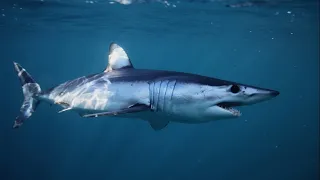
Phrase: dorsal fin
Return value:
(117, 58)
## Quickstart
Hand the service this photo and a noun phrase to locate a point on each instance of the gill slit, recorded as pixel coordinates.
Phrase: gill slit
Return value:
(174, 86)
(164, 97)
(158, 104)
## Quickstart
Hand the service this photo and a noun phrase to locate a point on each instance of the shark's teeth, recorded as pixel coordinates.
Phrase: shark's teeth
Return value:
(235, 111)
(232, 110)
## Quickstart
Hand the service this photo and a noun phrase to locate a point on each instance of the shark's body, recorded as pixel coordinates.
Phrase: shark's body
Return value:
(152, 95)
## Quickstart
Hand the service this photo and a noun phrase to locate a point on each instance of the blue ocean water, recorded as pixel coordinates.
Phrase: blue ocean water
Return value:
(267, 43)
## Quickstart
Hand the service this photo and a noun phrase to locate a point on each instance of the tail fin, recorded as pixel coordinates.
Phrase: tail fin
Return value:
(29, 88)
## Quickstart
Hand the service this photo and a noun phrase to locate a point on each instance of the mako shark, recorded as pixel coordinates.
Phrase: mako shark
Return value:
(155, 96)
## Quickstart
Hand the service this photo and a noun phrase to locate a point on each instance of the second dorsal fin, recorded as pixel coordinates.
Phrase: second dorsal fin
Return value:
(117, 58)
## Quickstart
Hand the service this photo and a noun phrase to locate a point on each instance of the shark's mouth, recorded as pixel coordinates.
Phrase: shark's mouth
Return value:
(228, 106)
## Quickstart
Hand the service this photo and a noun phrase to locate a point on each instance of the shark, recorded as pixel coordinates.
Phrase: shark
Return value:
(156, 96)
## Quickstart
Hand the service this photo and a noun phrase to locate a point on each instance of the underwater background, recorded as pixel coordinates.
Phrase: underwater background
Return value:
(267, 43)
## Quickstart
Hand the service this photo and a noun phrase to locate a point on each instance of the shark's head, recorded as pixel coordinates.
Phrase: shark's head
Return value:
(222, 100)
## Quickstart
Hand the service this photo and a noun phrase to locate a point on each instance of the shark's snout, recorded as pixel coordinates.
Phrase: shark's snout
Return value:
(274, 93)
(265, 94)
(258, 95)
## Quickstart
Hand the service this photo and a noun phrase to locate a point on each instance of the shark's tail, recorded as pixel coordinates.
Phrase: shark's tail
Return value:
(30, 89)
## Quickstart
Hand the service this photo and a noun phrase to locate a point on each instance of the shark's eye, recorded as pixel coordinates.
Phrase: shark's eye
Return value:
(235, 89)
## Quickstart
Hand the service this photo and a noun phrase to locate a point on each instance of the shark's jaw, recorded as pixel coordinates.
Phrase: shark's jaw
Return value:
(228, 107)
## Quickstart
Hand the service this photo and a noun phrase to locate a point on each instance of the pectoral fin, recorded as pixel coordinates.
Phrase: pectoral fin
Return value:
(66, 106)
(158, 124)
(65, 109)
